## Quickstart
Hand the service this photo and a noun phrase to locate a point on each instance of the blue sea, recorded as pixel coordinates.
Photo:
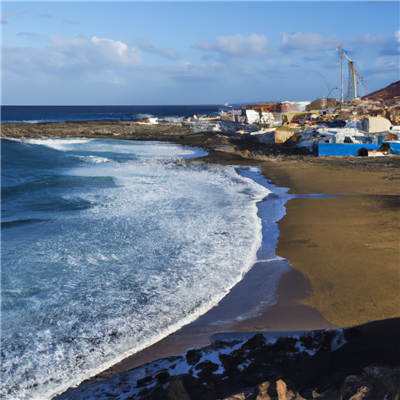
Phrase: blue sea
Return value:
(37, 114)
(109, 246)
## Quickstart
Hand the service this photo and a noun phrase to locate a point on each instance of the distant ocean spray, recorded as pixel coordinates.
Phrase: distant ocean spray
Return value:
(108, 246)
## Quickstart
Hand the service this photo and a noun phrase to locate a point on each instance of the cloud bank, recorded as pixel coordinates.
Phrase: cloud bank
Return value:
(78, 55)
(95, 52)
(237, 45)
(307, 42)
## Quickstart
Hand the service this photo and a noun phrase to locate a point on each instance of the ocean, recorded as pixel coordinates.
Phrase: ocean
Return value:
(37, 114)
(109, 246)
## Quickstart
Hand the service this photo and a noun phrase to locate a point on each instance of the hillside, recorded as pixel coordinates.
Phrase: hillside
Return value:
(391, 92)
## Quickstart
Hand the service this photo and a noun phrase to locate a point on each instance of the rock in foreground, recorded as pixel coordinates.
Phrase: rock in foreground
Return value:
(355, 363)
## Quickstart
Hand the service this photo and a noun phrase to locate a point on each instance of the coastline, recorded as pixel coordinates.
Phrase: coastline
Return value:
(340, 286)
(293, 311)
(267, 299)
(359, 291)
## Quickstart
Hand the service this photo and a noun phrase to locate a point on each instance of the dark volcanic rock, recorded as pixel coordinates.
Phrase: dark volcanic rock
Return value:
(351, 364)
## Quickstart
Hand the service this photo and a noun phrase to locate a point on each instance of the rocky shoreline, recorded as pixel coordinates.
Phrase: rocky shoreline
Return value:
(246, 146)
(353, 363)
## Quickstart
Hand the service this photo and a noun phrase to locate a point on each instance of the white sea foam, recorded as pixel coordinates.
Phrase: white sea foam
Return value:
(142, 116)
(173, 120)
(58, 144)
(28, 121)
(301, 105)
(154, 250)
(140, 149)
(94, 159)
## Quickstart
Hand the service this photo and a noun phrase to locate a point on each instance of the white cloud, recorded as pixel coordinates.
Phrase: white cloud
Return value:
(72, 57)
(387, 62)
(397, 36)
(307, 42)
(367, 41)
(237, 45)
(386, 67)
(28, 61)
(383, 44)
(95, 52)
(145, 45)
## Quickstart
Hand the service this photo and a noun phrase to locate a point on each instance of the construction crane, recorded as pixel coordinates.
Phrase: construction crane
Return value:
(352, 77)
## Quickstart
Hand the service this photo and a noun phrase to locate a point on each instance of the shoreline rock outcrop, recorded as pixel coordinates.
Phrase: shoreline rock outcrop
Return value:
(349, 364)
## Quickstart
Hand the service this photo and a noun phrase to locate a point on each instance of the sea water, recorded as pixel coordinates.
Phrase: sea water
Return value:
(108, 246)
(36, 114)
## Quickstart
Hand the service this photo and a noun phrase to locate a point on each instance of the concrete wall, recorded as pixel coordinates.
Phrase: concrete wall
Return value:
(375, 124)
(322, 104)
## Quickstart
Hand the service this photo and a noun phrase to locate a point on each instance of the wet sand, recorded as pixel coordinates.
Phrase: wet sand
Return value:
(348, 246)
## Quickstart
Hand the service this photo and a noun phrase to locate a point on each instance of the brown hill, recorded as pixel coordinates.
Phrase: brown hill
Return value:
(392, 92)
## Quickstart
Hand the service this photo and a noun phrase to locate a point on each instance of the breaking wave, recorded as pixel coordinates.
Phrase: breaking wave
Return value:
(101, 259)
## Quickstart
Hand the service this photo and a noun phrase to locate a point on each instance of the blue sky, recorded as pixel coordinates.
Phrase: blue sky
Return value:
(184, 52)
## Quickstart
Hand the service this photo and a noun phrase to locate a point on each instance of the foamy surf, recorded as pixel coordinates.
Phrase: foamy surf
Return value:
(58, 144)
(127, 251)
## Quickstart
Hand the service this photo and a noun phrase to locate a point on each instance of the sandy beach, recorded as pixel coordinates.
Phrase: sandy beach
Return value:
(346, 246)
(343, 250)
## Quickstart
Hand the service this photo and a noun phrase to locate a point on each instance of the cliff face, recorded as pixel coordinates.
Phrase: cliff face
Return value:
(392, 92)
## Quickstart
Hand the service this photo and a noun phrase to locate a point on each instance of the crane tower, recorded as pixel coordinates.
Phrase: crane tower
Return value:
(352, 81)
